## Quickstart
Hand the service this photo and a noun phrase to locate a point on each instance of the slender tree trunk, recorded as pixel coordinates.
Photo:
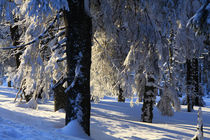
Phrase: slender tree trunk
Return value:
(148, 101)
(9, 84)
(15, 37)
(1, 74)
(195, 75)
(190, 103)
(195, 81)
(78, 50)
(194, 96)
(59, 98)
(121, 98)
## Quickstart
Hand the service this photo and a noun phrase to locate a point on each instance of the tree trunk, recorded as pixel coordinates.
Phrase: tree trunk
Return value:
(195, 77)
(9, 84)
(190, 102)
(148, 101)
(15, 37)
(194, 96)
(121, 98)
(59, 98)
(78, 50)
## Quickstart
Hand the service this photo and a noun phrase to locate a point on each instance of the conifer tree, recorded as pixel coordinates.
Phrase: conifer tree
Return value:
(78, 49)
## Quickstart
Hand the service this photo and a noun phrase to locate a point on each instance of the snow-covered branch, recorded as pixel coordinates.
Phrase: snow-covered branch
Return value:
(61, 81)
(200, 22)
(36, 39)
(61, 43)
(61, 59)
(109, 57)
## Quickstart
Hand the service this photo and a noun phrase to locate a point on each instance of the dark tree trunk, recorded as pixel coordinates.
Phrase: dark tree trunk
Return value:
(9, 84)
(194, 96)
(148, 101)
(59, 98)
(17, 58)
(190, 102)
(15, 37)
(195, 76)
(78, 50)
(121, 98)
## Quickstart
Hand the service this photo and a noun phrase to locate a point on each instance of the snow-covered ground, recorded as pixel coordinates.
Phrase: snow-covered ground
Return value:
(110, 120)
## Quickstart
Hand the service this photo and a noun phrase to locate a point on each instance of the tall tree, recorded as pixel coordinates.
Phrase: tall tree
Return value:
(78, 49)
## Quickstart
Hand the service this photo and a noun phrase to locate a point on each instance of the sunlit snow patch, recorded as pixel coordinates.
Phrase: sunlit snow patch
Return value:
(74, 129)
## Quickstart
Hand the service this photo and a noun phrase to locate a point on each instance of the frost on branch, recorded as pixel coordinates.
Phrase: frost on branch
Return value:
(6, 8)
(40, 9)
(200, 22)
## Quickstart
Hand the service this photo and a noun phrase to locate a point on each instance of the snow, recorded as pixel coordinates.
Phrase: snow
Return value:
(110, 120)
(73, 129)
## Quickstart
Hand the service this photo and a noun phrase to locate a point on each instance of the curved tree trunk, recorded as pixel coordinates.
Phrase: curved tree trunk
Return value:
(78, 50)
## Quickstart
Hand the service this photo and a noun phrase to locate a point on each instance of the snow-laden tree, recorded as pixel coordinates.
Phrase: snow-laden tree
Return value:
(78, 50)
(131, 27)
(142, 60)
(194, 48)
(177, 43)
(110, 45)
(200, 21)
(35, 72)
(7, 20)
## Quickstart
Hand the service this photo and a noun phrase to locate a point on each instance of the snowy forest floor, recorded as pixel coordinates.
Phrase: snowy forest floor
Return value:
(110, 120)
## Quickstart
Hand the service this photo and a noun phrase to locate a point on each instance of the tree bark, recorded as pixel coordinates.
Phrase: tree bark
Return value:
(78, 50)
(148, 101)
(59, 98)
(9, 84)
(121, 98)
(190, 102)
(194, 96)
(15, 37)
(197, 91)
